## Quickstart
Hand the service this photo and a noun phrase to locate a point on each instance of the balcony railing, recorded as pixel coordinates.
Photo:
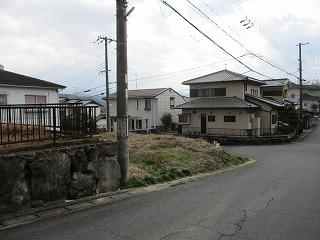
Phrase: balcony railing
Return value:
(36, 122)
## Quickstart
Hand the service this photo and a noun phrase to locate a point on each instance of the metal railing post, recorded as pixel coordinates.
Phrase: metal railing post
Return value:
(54, 124)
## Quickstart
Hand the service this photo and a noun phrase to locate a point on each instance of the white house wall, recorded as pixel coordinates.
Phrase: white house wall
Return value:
(138, 113)
(164, 105)
(159, 105)
(294, 95)
(16, 95)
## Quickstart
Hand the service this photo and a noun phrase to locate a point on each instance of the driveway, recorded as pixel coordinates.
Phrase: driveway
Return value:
(276, 198)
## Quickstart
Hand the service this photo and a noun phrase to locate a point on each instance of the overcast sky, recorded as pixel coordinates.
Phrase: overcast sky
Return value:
(53, 40)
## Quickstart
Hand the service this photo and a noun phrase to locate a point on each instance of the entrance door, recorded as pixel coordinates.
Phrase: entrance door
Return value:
(203, 123)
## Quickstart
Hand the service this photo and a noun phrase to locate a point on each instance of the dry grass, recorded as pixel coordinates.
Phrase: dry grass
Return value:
(157, 158)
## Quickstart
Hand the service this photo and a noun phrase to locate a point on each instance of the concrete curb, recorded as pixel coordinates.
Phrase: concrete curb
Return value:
(67, 207)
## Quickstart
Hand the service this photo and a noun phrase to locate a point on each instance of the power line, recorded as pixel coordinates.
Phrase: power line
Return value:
(234, 39)
(211, 40)
(239, 4)
(168, 74)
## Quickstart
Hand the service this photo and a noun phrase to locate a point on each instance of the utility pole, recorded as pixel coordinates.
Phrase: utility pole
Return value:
(106, 42)
(300, 77)
(122, 89)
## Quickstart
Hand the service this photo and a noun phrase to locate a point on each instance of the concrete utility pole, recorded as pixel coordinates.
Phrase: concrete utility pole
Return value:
(106, 42)
(300, 77)
(122, 89)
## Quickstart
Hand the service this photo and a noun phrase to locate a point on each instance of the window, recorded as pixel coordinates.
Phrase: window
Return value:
(183, 119)
(3, 99)
(35, 99)
(200, 92)
(211, 118)
(172, 102)
(193, 93)
(305, 104)
(292, 96)
(254, 92)
(139, 124)
(30, 99)
(229, 118)
(219, 92)
(272, 93)
(137, 104)
(147, 105)
(207, 92)
(147, 123)
(131, 124)
(274, 119)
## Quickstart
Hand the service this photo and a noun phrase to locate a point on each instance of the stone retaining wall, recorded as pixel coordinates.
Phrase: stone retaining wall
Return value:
(32, 178)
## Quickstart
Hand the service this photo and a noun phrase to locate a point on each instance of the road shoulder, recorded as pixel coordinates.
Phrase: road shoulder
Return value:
(66, 207)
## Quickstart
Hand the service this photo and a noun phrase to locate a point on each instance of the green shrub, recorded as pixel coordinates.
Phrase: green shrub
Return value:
(149, 180)
(238, 160)
(133, 182)
(186, 172)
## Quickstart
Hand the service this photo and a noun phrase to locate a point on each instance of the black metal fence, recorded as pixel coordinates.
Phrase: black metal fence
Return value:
(26, 123)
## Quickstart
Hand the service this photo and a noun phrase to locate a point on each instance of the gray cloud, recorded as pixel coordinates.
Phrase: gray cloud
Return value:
(53, 39)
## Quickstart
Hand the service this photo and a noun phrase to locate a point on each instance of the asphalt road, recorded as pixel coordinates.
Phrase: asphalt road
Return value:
(276, 198)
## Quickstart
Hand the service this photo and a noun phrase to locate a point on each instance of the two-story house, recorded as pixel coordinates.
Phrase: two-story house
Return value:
(310, 95)
(147, 106)
(276, 88)
(228, 103)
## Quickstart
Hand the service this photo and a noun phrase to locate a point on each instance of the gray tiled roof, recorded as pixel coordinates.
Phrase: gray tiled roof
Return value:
(217, 103)
(276, 82)
(141, 93)
(222, 76)
(11, 78)
(271, 101)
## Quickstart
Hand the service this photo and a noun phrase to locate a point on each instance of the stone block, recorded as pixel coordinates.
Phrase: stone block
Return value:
(49, 175)
(83, 186)
(14, 190)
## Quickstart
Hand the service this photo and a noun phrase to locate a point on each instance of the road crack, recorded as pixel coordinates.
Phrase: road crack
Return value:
(239, 225)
